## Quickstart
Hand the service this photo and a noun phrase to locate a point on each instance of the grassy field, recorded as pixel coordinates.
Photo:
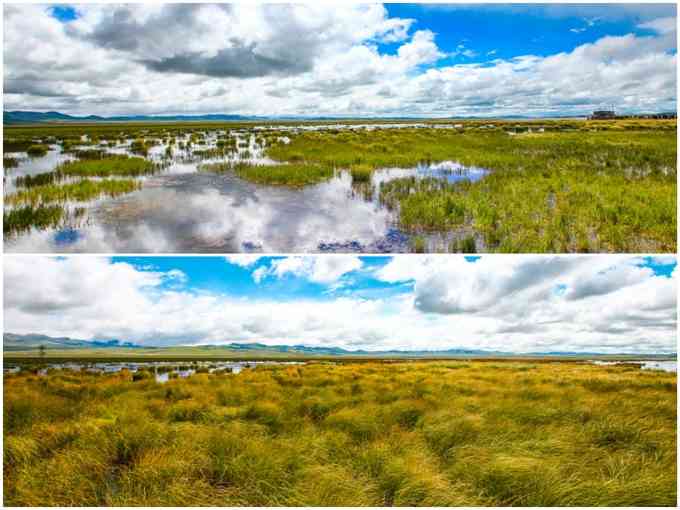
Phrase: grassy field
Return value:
(401, 433)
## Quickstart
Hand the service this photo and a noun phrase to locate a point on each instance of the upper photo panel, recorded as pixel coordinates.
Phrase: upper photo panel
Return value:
(196, 128)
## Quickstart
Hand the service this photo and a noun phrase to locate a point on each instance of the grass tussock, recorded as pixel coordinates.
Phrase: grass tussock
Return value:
(23, 218)
(113, 165)
(79, 191)
(351, 434)
(290, 174)
(9, 162)
(37, 150)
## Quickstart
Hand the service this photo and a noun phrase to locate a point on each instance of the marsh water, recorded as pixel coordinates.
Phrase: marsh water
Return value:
(162, 371)
(183, 209)
(664, 365)
(165, 370)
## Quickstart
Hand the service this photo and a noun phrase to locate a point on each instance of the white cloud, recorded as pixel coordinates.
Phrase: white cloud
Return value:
(243, 260)
(264, 59)
(326, 269)
(609, 304)
(661, 25)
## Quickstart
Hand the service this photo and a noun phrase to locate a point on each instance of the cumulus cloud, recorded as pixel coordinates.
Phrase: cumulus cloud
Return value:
(327, 269)
(520, 304)
(661, 25)
(310, 60)
(243, 260)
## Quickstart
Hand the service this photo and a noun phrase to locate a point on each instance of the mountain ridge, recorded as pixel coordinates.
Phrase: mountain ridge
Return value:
(29, 116)
(14, 343)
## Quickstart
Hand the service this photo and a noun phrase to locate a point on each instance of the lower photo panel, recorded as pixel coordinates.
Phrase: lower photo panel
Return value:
(340, 380)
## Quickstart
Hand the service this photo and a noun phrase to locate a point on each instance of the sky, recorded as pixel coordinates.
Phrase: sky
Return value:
(346, 60)
(521, 304)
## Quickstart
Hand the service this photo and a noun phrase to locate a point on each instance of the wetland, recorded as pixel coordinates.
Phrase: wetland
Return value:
(553, 186)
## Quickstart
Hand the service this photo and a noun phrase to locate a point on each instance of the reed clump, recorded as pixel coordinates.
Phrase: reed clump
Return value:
(112, 165)
(21, 219)
(290, 174)
(37, 150)
(80, 191)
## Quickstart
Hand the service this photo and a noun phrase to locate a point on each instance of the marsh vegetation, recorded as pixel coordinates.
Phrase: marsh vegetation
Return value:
(484, 186)
(565, 191)
(345, 434)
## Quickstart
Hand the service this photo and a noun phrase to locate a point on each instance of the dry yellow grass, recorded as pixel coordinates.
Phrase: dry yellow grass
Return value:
(348, 434)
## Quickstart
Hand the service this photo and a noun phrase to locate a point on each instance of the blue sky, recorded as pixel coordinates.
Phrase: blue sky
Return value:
(522, 303)
(506, 31)
(220, 275)
(346, 60)
(64, 12)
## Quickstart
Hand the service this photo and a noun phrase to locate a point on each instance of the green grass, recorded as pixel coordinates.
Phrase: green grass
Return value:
(49, 187)
(559, 191)
(291, 174)
(9, 162)
(20, 144)
(79, 191)
(140, 146)
(30, 181)
(37, 150)
(90, 153)
(349, 434)
(114, 165)
(361, 172)
(106, 167)
(23, 218)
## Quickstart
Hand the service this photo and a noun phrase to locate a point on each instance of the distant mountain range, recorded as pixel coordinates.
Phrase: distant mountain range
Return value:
(29, 117)
(32, 117)
(339, 351)
(14, 343)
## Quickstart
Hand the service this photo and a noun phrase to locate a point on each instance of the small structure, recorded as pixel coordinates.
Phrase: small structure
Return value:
(664, 115)
(603, 114)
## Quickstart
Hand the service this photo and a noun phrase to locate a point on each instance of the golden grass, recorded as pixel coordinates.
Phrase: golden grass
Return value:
(437, 433)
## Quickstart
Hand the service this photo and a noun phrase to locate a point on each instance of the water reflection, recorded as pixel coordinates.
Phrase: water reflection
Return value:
(183, 209)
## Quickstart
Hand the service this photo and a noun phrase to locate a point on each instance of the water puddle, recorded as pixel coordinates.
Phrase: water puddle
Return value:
(163, 371)
(665, 366)
(182, 209)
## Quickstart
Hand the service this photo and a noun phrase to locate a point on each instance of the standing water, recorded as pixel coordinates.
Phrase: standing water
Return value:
(185, 209)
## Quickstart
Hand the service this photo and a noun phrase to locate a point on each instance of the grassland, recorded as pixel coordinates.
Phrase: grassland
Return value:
(347, 434)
